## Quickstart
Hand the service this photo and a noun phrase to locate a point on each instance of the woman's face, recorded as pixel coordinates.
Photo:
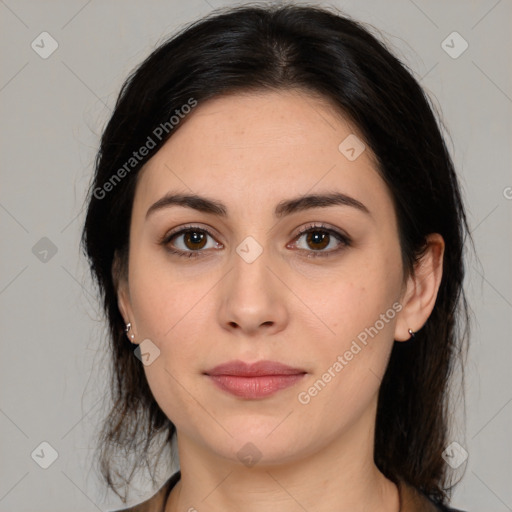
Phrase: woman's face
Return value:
(248, 287)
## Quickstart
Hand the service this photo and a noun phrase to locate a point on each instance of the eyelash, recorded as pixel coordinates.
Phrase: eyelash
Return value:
(345, 240)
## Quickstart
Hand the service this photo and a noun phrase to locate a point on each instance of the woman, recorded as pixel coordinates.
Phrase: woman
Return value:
(276, 226)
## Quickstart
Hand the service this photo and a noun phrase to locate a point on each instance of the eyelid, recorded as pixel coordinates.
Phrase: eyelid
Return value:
(188, 227)
(321, 226)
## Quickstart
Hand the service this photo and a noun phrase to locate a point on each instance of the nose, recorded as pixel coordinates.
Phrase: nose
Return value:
(253, 298)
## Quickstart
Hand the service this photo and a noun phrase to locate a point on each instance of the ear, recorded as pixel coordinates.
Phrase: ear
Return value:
(421, 290)
(120, 279)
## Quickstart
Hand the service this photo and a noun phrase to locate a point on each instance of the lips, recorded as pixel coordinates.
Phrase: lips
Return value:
(254, 380)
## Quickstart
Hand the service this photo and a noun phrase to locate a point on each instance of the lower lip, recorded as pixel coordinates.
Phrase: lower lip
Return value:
(255, 387)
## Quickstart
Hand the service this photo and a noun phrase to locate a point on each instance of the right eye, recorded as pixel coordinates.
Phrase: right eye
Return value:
(191, 241)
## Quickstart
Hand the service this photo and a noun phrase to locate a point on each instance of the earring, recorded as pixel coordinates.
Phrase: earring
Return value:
(127, 330)
(413, 335)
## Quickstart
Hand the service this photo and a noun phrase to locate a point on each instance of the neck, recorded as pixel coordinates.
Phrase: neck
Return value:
(341, 476)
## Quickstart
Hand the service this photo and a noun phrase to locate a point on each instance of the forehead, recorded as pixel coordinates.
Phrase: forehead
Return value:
(250, 147)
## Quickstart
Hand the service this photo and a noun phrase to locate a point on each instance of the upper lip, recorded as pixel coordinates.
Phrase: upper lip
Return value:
(257, 369)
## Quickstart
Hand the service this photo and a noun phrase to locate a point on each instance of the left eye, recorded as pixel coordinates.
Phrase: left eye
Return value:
(319, 238)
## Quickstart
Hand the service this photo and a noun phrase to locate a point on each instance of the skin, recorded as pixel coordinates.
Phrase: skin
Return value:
(251, 151)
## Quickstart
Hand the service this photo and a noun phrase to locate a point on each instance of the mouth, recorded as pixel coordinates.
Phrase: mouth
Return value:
(256, 380)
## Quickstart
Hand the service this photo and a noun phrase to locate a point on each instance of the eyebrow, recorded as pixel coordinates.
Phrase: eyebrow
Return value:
(284, 208)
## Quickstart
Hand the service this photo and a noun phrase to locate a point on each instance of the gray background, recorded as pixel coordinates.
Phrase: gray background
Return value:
(52, 374)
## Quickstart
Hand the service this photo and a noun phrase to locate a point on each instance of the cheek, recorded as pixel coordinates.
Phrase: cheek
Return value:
(351, 362)
(163, 295)
(353, 298)
(360, 309)
(169, 310)
(167, 313)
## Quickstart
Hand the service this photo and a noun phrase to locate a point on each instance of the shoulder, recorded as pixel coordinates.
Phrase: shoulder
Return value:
(157, 502)
(413, 500)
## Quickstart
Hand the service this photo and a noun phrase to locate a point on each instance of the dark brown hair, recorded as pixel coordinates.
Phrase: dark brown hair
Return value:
(252, 48)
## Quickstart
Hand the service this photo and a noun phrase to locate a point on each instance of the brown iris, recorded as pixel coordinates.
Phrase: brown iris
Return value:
(197, 239)
(318, 237)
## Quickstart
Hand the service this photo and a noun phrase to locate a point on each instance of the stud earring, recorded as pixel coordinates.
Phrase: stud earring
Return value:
(127, 330)
(413, 335)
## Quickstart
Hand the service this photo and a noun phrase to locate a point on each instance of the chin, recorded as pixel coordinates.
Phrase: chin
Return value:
(258, 442)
